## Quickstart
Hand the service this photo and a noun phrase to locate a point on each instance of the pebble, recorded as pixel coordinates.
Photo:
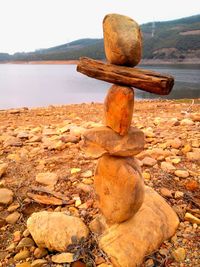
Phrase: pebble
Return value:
(6, 196)
(39, 263)
(186, 148)
(179, 254)
(16, 236)
(13, 217)
(47, 178)
(3, 168)
(26, 233)
(40, 252)
(87, 174)
(146, 175)
(193, 156)
(149, 263)
(165, 192)
(75, 170)
(191, 218)
(182, 173)
(176, 143)
(22, 255)
(148, 161)
(26, 242)
(167, 167)
(186, 122)
(63, 258)
(24, 264)
(13, 207)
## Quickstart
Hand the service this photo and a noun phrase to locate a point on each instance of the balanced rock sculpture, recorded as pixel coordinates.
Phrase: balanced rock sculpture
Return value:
(134, 219)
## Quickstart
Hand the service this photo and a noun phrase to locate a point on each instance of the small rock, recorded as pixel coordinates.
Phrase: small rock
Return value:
(13, 207)
(6, 196)
(75, 170)
(148, 161)
(78, 264)
(182, 173)
(191, 185)
(176, 143)
(13, 217)
(22, 255)
(38, 263)
(122, 40)
(24, 264)
(40, 252)
(3, 168)
(2, 222)
(26, 233)
(104, 265)
(178, 194)
(149, 263)
(63, 258)
(167, 167)
(165, 192)
(77, 131)
(186, 148)
(179, 254)
(49, 228)
(146, 175)
(191, 218)
(47, 178)
(16, 236)
(26, 242)
(193, 156)
(186, 122)
(87, 174)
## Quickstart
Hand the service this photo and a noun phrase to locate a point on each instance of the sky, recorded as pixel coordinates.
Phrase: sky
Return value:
(27, 25)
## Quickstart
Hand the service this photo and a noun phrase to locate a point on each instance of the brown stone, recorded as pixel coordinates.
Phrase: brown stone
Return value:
(118, 108)
(103, 140)
(119, 187)
(122, 40)
(127, 243)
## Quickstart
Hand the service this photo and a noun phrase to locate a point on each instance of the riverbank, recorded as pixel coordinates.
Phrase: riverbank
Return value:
(47, 140)
(143, 62)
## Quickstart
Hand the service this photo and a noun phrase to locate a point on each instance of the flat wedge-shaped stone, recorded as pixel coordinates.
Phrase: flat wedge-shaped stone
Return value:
(127, 243)
(149, 81)
(119, 186)
(122, 40)
(103, 140)
(118, 108)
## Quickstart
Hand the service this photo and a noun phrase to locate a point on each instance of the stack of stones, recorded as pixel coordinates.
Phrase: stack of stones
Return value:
(118, 180)
(136, 220)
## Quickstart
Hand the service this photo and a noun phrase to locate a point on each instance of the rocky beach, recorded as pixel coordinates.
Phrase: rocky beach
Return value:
(42, 168)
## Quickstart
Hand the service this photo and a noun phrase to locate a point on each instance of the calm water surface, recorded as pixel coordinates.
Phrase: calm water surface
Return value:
(43, 85)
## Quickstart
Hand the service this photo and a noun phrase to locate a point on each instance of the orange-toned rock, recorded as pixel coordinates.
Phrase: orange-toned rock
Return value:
(122, 40)
(127, 243)
(118, 108)
(103, 140)
(119, 187)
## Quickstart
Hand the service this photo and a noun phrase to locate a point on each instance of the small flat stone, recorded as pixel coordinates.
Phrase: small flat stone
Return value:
(191, 218)
(87, 174)
(63, 258)
(26, 242)
(6, 196)
(54, 230)
(122, 40)
(22, 255)
(148, 161)
(167, 167)
(47, 178)
(38, 263)
(193, 156)
(186, 122)
(3, 168)
(182, 173)
(118, 108)
(179, 254)
(165, 192)
(103, 140)
(24, 264)
(13, 217)
(40, 252)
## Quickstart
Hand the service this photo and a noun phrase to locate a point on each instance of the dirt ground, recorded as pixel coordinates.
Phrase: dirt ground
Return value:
(47, 139)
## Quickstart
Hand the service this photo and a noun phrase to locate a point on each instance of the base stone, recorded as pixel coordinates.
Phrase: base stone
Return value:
(127, 243)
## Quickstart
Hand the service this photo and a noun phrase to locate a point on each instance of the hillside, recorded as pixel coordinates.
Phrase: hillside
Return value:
(176, 40)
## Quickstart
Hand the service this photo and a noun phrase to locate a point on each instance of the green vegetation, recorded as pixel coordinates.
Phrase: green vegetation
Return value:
(176, 40)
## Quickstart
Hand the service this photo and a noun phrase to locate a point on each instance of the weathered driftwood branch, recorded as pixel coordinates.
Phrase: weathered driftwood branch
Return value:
(145, 80)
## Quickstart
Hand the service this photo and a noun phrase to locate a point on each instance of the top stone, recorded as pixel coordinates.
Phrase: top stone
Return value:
(122, 40)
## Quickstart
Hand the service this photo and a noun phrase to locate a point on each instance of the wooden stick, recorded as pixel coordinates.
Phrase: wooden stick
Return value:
(145, 80)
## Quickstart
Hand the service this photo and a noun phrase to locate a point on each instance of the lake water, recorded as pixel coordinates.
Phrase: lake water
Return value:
(43, 85)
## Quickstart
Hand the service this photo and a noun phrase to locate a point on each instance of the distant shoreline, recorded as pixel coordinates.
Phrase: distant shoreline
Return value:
(75, 62)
